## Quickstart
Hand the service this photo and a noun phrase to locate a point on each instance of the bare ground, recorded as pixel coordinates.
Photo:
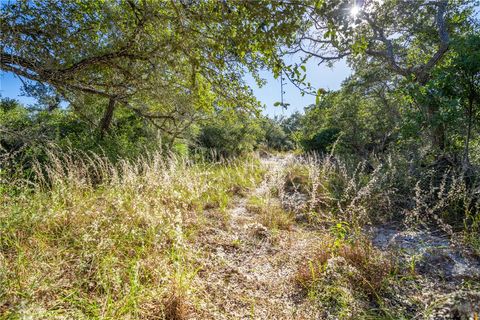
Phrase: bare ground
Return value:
(248, 270)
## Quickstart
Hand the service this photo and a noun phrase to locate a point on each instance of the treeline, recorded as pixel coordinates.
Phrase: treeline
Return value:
(115, 83)
(28, 132)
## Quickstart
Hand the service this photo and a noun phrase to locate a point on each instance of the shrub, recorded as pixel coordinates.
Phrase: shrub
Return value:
(322, 141)
(275, 136)
(379, 191)
(345, 277)
(27, 133)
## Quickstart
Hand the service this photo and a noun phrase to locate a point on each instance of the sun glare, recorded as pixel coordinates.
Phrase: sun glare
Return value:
(354, 11)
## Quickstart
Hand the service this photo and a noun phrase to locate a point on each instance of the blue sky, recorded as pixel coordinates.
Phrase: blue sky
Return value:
(319, 76)
(10, 87)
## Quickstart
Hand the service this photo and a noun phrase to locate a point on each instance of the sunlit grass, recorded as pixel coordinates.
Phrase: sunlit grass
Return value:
(95, 240)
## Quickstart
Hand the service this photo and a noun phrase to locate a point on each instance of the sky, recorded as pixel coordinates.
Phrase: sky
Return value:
(329, 78)
(10, 87)
(319, 76)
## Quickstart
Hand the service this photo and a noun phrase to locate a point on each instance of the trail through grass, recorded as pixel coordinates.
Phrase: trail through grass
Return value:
(270, 238)
(249, 263)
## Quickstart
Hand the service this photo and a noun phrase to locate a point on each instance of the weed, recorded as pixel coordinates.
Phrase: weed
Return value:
(345, 276)
(270, 212)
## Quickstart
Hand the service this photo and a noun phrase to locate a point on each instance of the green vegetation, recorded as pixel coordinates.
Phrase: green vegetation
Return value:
(346, 278)
(91, 239)
(271, 214)
(144, 182)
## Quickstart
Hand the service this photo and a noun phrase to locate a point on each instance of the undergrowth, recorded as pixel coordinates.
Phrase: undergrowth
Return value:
(89, 239)
(378, 192)
(345, 278)
(85, 238)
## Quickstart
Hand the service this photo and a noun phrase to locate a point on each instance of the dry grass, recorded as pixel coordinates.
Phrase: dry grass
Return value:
(90, 239)
(175, 306)
(362, 194)
(345, 278)
(373, 266)
(270, 213)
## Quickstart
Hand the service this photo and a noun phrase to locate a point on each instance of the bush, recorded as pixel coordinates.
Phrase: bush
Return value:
(27, 133)
(229, 135)
(379, 191)
(322, 141)
(275, 136)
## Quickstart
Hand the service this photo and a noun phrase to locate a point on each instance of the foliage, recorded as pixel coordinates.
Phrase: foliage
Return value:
(358, 194)
(411, 41)
(229, 134)
(322, 141)
(276, 137)
(459, 85)
(27, 133)
(115, 52)
(362, 122)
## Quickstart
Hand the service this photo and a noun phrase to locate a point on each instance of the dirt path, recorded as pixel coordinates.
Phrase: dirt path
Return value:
(249, 270)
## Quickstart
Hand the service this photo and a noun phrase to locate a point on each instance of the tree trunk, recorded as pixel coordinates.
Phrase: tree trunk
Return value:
(107, 117)
(438, 137)
(437, 130)
(466, 157)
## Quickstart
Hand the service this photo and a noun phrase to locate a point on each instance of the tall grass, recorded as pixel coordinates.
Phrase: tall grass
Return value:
(345, 276)
(338, 191)
(90, 239)
(381, 192)
(86, 238)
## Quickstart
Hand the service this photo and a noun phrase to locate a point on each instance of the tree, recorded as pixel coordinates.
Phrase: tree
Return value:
(460, 80)
(230, 133)
(276, 137)
(132, 53)
(364, 115)
(410, 38)
(291, 123)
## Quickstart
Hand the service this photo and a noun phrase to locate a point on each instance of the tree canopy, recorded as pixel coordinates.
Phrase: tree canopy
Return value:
(165, 60)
